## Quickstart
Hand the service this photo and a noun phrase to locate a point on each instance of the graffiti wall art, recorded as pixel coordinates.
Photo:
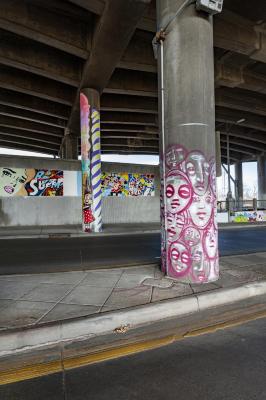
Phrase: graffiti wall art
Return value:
(249, 216)
(125, 184)
(91, 166)
(31, 182)
(188, 213)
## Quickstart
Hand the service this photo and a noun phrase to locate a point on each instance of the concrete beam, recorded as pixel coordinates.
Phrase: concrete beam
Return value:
(130, 142)
(94, 6)
(235, 33)
(31, 126)
(242, 133)
(129, 151)
(128, 118)
(31, 116)
(24, 82)
(136, 104)
(20, 53)
(13, 134)
(242, 100)
(141, 129)
(45, 26)
(226, 115)
(239, 149)
(18, 146)
(136, 83)
(108, 46)
(252, 145)
(121, 135)
(28, 144)
(20, 101)
(236, 76)
(139, 53)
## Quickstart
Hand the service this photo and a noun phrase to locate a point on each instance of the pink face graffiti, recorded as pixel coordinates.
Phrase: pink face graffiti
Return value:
(191, 232)
(179, 258)
(174, 156)
(191, 236)
(201, 209)
(175, 224)
(178, 192)
(197, 169)
(210, 243)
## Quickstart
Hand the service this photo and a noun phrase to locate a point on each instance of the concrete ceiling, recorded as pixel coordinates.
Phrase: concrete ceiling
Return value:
(51, 49)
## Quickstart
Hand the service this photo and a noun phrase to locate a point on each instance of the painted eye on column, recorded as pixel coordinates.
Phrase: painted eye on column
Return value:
(170, 191)
(175, 254)
(184, 191)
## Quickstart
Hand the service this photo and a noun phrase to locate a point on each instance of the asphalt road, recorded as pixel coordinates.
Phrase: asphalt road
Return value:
(54, 255)
(226, 365)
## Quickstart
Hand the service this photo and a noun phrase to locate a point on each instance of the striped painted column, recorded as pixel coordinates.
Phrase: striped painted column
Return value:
(90, 161)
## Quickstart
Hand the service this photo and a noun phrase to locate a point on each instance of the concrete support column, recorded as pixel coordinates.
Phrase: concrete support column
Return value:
(261, 170)
(239, 183)
(189, 229)
(69, 146)
(91, 160)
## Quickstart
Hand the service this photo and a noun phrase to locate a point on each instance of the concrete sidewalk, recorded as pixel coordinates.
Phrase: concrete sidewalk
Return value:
(35, 300)
(64, 320)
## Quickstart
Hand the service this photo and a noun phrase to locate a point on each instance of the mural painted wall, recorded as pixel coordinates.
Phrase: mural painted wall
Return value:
(189, 240)
(124, 184)
(91, 166)
(31, 182)
(249, 216)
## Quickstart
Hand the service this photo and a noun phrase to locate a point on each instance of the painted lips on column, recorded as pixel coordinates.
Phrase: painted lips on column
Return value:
(191, 231)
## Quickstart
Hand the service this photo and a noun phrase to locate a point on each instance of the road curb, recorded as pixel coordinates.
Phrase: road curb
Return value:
(16, 341)
(79, 235)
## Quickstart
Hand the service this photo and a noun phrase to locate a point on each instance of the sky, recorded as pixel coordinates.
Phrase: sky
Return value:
(249, 169)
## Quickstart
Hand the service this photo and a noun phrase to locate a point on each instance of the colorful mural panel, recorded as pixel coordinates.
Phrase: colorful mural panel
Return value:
(249, 216)
(189, 243)
(31, 182)
(124, 184)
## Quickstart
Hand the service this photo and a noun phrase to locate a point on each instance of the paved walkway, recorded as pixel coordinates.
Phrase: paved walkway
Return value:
(32, 300)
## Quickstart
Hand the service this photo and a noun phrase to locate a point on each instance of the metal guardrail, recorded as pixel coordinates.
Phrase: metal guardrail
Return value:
(241, 205)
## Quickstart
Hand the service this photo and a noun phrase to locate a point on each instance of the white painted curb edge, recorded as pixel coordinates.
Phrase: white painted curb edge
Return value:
(85, 328)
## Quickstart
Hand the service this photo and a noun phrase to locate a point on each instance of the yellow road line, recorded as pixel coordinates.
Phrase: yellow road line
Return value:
(38, 370)
(225, 325)
(30, 372)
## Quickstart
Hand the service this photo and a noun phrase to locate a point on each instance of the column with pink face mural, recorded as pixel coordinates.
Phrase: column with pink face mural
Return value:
(187, 137)
(191, 251)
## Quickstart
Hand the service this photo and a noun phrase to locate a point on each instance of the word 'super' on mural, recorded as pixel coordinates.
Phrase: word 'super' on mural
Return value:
(188, 213)
(31, 182)
(124, 184)
(91, 166)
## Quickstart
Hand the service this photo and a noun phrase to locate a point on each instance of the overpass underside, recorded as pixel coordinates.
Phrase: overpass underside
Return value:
(51, 50)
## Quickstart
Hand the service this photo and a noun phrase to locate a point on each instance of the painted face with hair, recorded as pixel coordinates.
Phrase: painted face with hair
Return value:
(210, 243)
(11, 180)
(201, 209)
(174, 156)
(175, 224)
(179, 258)
(197, 169)
(178, 192)
(191, 236)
